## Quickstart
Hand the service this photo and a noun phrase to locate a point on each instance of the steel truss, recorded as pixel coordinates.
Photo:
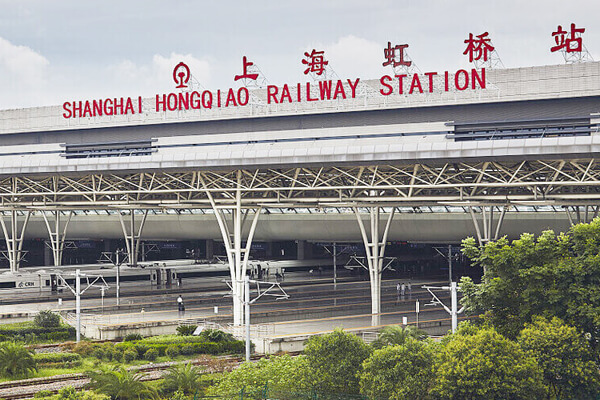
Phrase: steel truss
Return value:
(235, 195)
(562, 182)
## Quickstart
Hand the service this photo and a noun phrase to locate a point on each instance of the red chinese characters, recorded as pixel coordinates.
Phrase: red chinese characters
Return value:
(315, 62)
(571, 44)
(389, 54)
(246, 74)
(478, 47)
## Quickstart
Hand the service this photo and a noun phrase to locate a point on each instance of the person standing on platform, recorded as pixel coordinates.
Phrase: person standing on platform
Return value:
(409, 290)
(180, 307)
(402, 290)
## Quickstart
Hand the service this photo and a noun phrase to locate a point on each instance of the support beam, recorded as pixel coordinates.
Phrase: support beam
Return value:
(486, 228)
(581, 214)
(375, 252)
(237, 256)
(13, 235)
(56, 233)
(133, 236)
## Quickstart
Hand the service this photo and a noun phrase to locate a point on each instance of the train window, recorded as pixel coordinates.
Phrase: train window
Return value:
(47, 282)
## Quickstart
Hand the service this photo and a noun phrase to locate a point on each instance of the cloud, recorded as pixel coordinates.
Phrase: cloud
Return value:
(157, 75)
(23, 74)
(352, 56)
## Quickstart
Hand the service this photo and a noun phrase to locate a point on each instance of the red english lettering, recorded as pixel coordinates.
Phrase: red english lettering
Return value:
(475, 77)
(271, 93)
(246, 96)
(325, 89)
(207, 99)
(384, 82)
(77, 108)
(457, 79)
(401, 83)
(308, 98)
(184, 100)
(285, 94)
(416, 83)
(118, 106)
(87, 110)
(97, 108)
(163, 103)
(430, 75)
(353, 87)
(230, 98)
(129, 106)
(195, 100)
(67, 113)
(108, 106)
(172, 102)
(339, 89)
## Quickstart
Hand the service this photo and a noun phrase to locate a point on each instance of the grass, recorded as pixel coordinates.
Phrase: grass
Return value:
(92, 363)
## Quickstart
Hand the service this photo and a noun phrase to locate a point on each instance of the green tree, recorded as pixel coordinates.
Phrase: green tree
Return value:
(281, 373)
(182, 377)
(397, 334)
(70, 393)
(334, 361)
(551, 276)
(483, 364)
(47, 319)
(121, 384)
(398, 372)
(16, 359)
(565, 357)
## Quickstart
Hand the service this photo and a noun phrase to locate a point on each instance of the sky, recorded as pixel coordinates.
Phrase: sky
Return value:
(68, 50)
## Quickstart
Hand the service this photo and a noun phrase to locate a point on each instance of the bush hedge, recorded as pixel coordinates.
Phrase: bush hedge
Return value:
(28, 331)
(57, 360)
(236, 346)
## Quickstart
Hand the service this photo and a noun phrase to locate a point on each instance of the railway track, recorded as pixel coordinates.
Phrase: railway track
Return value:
(27, 388)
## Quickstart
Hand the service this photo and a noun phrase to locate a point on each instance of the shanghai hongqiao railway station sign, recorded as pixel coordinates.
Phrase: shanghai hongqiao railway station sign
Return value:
(478, 48)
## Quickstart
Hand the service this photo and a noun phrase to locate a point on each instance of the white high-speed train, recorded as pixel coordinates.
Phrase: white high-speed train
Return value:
(158, 274)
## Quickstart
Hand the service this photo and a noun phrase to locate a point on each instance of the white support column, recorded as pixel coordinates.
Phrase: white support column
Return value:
(484, 226)
(236, 255)
(133, 237)
(78, 303)
(57, 235)
(13, 235)
(375, 251)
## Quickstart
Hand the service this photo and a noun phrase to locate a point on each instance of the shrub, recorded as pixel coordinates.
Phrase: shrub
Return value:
(132, 337)
(47, 319)
(57, 360)
(172, 351)
(183, 378)
(121, 384)
(186, 330)
(16, 359)
(151, 354)
(141, 349)
(85, 348)
(129, 355)
(187, 349)
(216, 336)
(43, 393)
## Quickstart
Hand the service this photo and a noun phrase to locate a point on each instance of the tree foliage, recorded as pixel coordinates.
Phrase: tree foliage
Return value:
(483, 364)
(120, 384)
(565, 357)
(396, 334)
(404, 371)
(281, 373)
(182, 377)
(550, 276)
(334, 361)
(16, 360)
(47, 319)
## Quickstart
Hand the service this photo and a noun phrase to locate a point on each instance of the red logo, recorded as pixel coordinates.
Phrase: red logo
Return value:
(181, 75)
